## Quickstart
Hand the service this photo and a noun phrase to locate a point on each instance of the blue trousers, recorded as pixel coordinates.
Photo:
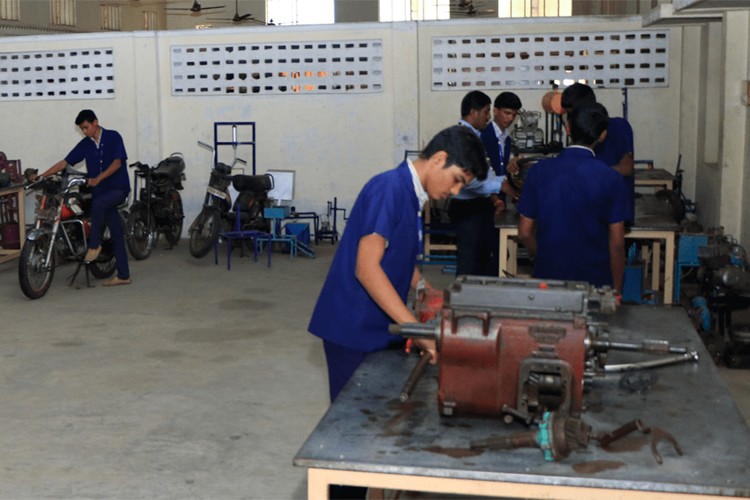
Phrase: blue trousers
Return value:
(342, 362)
(104, 214)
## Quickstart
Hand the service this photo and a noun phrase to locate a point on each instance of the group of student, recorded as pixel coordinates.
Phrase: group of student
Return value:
(573, 211)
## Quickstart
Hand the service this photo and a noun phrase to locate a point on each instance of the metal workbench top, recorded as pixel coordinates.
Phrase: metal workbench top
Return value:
(368, 429)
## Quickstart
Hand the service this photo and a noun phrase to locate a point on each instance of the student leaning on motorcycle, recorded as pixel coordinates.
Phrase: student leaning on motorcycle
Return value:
(106, 167)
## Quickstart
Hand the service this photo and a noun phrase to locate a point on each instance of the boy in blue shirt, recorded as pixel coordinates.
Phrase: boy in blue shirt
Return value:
(578, 206)
(376, 262)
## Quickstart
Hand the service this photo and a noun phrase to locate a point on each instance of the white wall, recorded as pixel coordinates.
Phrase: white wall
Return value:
(335, 142)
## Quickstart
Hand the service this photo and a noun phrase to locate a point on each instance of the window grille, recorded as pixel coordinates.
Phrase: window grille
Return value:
(10, 10)
(63, 12)
(57, 74)
(111, 17)
(316, 67)
(153, 21)
(537, 61)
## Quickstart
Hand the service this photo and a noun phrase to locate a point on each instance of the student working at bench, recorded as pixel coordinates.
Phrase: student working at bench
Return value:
(376, 262)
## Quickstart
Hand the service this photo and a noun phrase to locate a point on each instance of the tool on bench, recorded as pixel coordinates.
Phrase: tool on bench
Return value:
(558, 435)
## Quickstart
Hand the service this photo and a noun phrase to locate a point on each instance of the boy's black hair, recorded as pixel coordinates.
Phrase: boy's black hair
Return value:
(507, 100)
(587, 122)
(85, 115)
(464, 148)
(476, 99)
(576, 94)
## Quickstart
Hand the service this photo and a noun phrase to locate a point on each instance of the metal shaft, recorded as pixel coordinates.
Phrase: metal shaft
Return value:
(415, 330)
(414, 376)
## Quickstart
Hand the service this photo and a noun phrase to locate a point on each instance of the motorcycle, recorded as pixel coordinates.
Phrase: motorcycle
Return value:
(219, 213)
(60, 234)
(157, 207)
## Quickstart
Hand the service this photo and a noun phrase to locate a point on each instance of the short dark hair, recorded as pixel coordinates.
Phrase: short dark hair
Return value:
(464, 149)
(85, 115)
(587, 122)
(576, 94)
(476, 99)
(507, 100)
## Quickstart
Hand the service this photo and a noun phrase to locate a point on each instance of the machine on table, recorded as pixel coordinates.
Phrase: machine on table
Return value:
(525, 350)
(368, 437)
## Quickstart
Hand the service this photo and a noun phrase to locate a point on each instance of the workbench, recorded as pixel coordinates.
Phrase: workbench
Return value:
(656, 177)
(16, 195)
(653, 222)
(369, 438)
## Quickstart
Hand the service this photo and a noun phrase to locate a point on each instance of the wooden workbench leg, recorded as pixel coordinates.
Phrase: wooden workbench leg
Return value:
(669, 269)
(503, 251)
(317, 484)
(656, 268)
(512, 256)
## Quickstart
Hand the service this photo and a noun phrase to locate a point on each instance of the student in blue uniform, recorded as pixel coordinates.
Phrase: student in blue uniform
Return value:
(617, 149)
(496, 136)
(376, 262)
(573, 208)
(107, 172)
(472, 211)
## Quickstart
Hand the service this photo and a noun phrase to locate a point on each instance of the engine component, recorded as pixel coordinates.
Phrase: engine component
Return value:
(557, 436)
(519, 348)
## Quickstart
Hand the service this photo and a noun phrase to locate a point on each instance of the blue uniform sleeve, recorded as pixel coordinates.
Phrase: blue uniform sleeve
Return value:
(528, 204)
(78, 153)
(618, 143)
(621, 209)
(380, 207)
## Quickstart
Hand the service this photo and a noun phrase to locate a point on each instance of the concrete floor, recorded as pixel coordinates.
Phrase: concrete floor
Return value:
(193, 382)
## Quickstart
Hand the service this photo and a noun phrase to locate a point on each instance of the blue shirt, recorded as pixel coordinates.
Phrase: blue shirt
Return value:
(618, 143)
(345, 314)
(99, 158)
(573, 199)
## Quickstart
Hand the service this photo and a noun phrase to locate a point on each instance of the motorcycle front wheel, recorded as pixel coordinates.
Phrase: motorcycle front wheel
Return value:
(141, 233)
(204, 232)
(35, 278)
(105, 265)
(176, 216)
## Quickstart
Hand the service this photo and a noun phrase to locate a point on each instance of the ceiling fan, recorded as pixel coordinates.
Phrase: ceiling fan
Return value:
(468, 9)
(195, 9)
(237, 18)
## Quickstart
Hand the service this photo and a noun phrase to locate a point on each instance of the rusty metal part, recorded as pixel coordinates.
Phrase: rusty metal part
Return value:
(609, 437)
(415, 375)
(557, 436)
(658, 434)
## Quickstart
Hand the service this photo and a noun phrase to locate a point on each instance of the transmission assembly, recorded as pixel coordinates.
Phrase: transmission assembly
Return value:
(519, 348)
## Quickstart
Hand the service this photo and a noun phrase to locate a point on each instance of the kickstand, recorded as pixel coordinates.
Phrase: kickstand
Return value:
(75, 274)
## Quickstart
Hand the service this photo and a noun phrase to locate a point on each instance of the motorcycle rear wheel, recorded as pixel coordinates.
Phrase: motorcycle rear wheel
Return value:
(34, 278)
(105, 265)
(141, 230)
(204, 232)
(176, 216)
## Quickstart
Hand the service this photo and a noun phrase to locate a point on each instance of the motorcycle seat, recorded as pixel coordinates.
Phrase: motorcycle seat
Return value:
(171, 167)
(253, 183)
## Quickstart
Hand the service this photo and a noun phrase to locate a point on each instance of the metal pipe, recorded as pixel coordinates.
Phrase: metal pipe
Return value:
(671, 360)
